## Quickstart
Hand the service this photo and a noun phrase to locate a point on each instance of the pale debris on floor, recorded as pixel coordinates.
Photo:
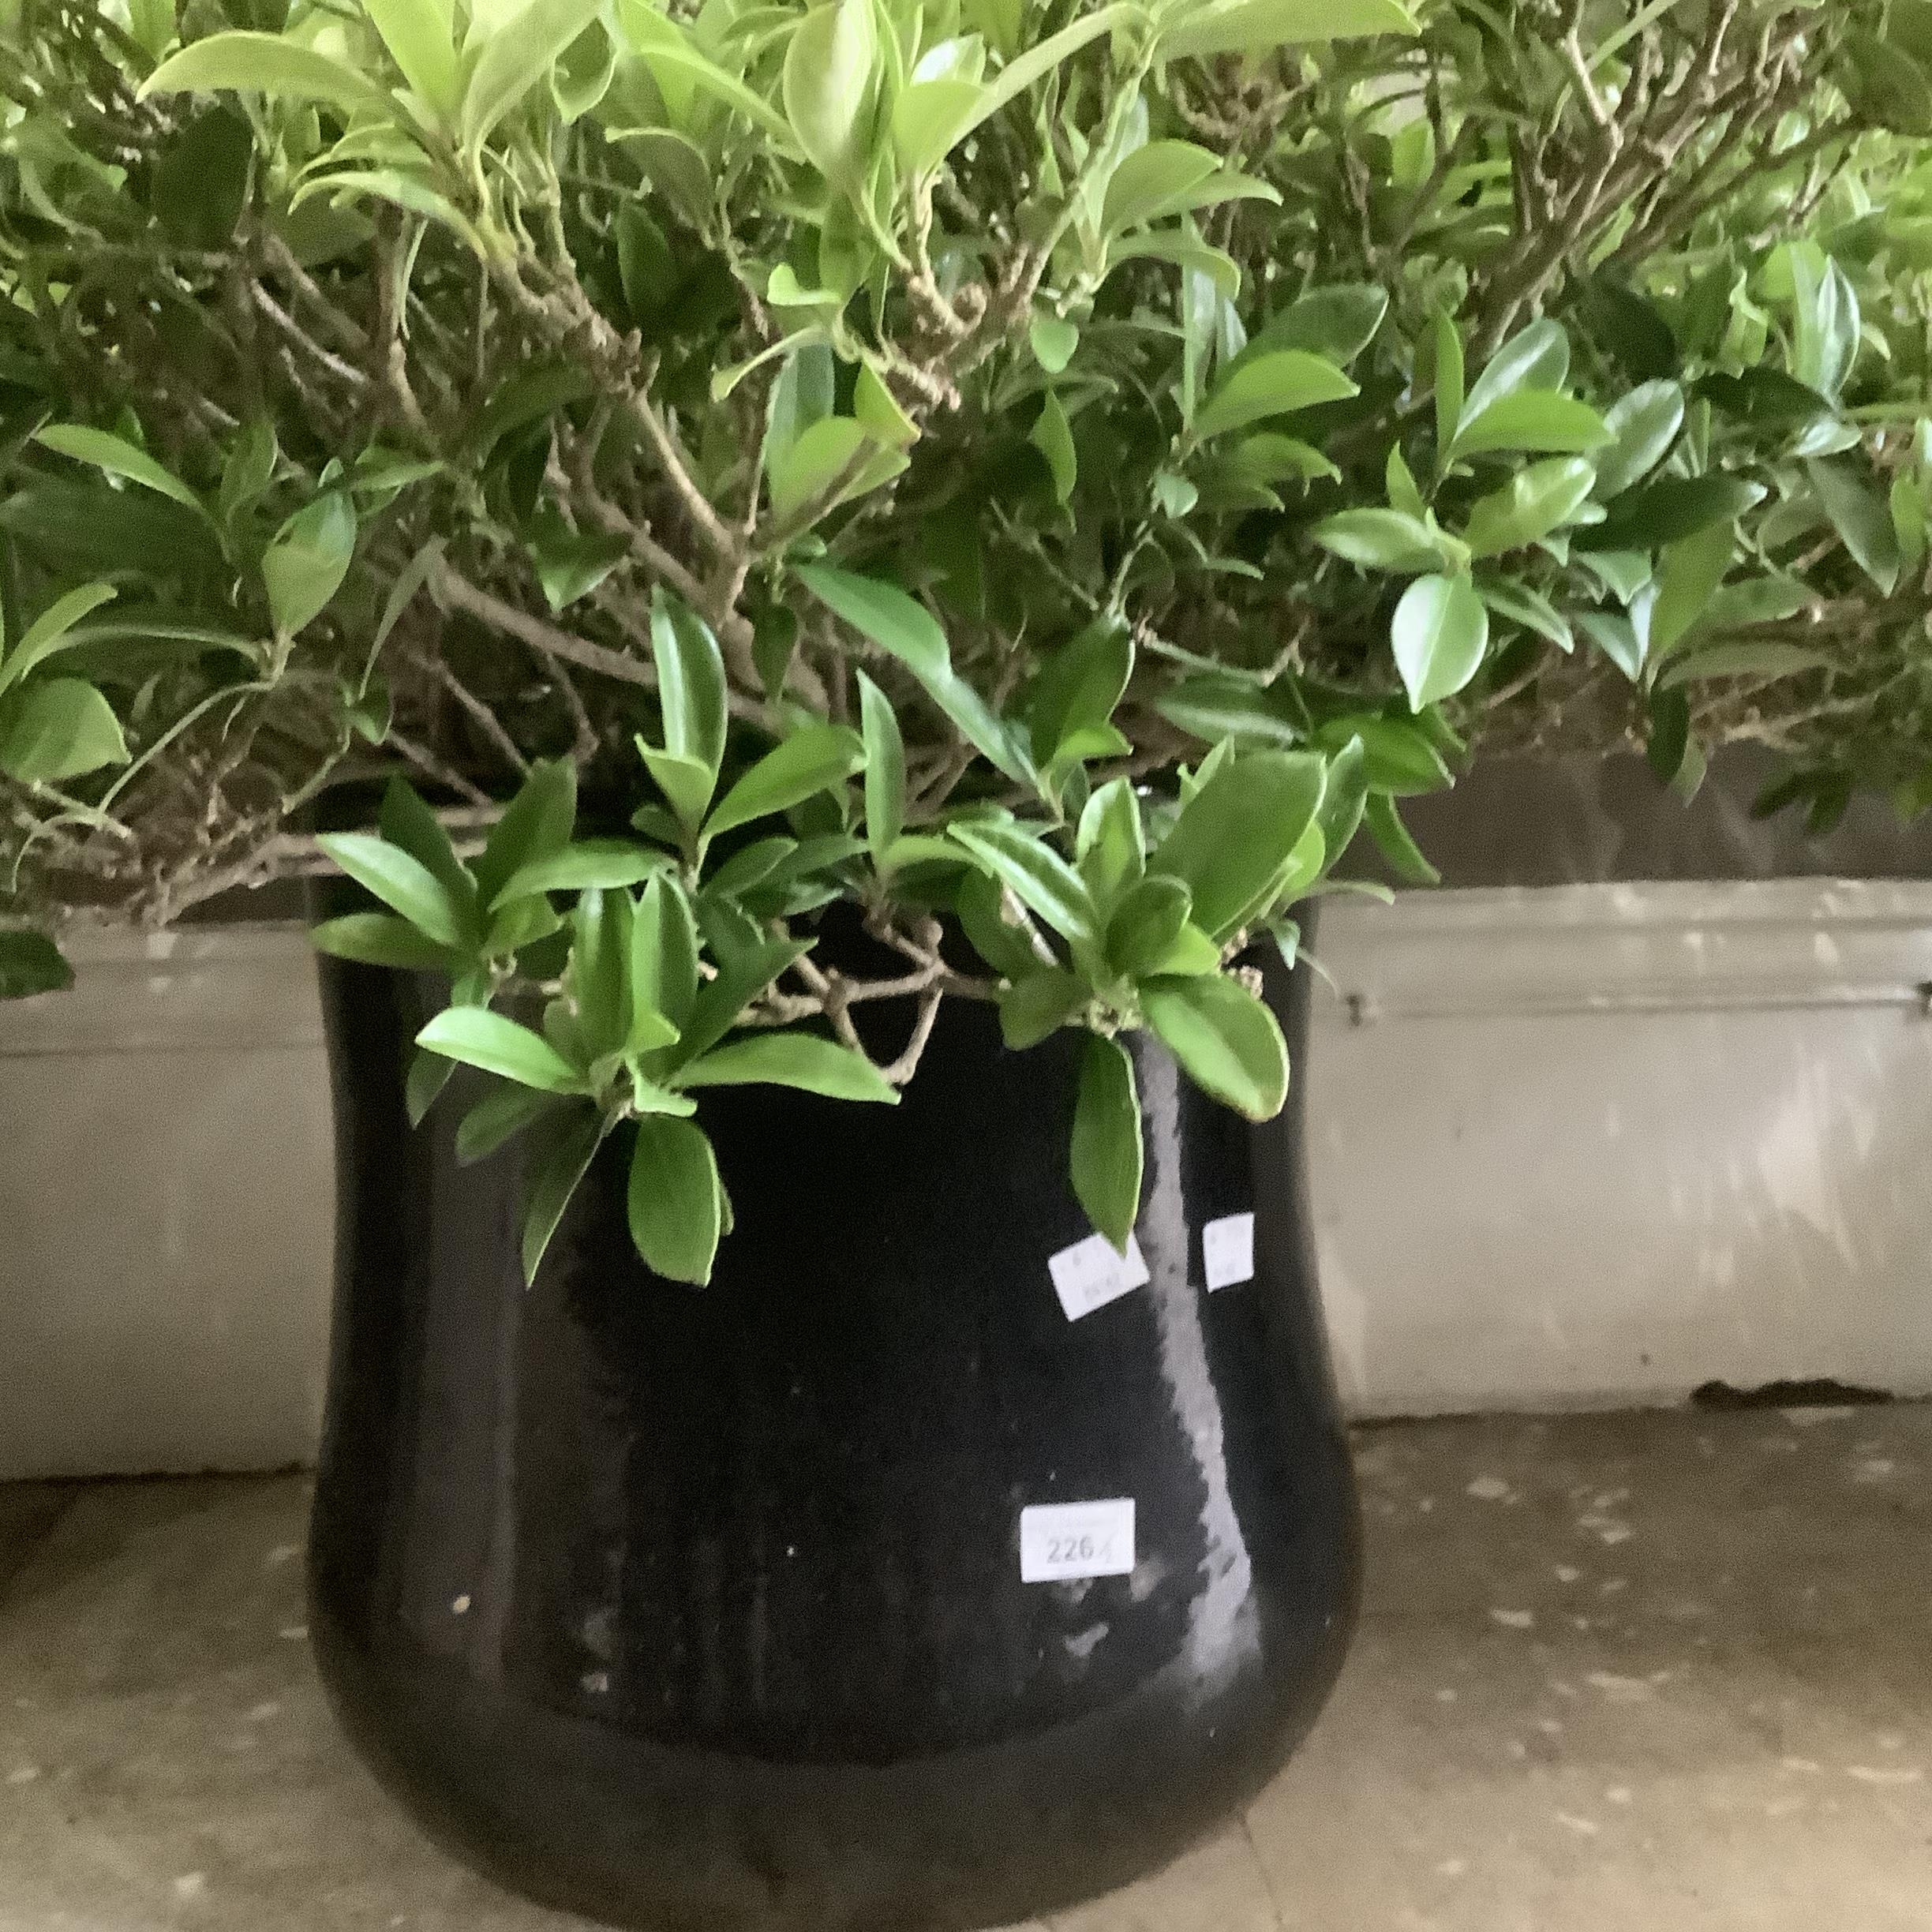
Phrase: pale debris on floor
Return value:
(1669, 1671)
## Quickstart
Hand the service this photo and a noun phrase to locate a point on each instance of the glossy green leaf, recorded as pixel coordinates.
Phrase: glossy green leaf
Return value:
(601, 864)
(262, 63)
(1228, 1042)
(1053, 342)
(816, 757)
(1035, 874)
(792, 1059)
(500, 1045)
(1535, 501)
(1392, 840)
(536, 824)
(380, 939)
(1054, 438)
(1146, 924)
(1536, 358)
(830, 86)
(1862, 518)
(832, 462)
(515, 55)
(901, 625)
(1255, 26)
(417, 34)
(402, 881)
(494, 1121)
(1079, 686)
(1450, 376)
(555, 1180)
(1275, 384)
(1154, 181)
(1441, 632)
(1388, 540)
(1535, 420)
(885, 773)
(1687, 580)
(53, 630)
(1644, 426)
(303, 566)
(118, 458)
(1236, 833)
(690, 684)
(1038, 1004)
(1106, 1156)
(664, 953)
(980, 902)
(61, 729)
(1336, 323)
(1669, 509)
(741, 977)
(676, 1199)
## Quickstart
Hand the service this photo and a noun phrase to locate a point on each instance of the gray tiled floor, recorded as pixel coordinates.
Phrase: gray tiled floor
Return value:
(1668, 1672)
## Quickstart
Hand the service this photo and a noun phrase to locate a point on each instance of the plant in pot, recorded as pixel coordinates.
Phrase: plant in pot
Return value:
(800, 546)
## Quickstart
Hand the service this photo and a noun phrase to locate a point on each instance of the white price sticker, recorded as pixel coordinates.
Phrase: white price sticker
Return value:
(1092, 1273)
(1227, 1249)
(1062, 1542)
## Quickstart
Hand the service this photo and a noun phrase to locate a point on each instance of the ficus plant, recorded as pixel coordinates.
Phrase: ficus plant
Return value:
(1048, 478)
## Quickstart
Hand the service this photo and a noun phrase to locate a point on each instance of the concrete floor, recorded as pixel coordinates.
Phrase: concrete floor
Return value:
(1669, 1670)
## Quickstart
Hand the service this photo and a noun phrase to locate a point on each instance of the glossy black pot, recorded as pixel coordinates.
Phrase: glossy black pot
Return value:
(705, 1609)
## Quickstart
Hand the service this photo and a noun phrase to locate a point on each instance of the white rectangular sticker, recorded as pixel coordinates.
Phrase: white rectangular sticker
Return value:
(1062, 1542)
(1093, 1272)
(1227, 1249)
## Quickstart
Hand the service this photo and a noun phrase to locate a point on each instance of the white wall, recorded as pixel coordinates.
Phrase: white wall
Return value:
(1582, 1146)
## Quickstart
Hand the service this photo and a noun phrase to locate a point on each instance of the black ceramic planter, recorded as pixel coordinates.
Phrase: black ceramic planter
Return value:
(705, 1609)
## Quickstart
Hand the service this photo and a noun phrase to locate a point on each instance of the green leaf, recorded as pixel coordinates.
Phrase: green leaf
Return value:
(519, 52)
(380, 939)
(497, 1044)
(676, 1199)
(1451, 375)
(816, 757)
(261, 63)
(664, 953)
(571, 564)
(1389, 539)
(664, 42)
(742, 976)
(1226, 1041)
(1053, 342)
(1536, 358)
(304, 566)
(1079, 686)
(417, 34)
(1687, 579)
(407, 823)
(1146, 925)
(1669, 510)
(1257, 26)
(1039, 1003)
(201, 180)
(31, 962)
(590, 864)
(1106, 1157)
(1861, 518)
(1441, 632)
(1110, 842)
(833, 461)
(830, 87)
(1643, 427)
(799, 1060)
(1344, 796)
(1054, 438)
(885, 773)
(1337, 323)
(1270, 385)
(536, 824)
(1035, 874)
(878, 411)
(52, 630)
(1238, 832)
(1534, 419)
(429, 1074)
(690, 685)
(1534, 612)
(1153, 181)
(1391, 837)
(600, 976)
(1768, 660)
(497, 1119)
(402, 881)
(117, 457)
(898, 623)
(1535, 501)
(61, 728)
(555, 1180)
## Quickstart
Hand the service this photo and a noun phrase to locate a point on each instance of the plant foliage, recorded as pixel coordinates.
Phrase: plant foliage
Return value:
(1045, 476)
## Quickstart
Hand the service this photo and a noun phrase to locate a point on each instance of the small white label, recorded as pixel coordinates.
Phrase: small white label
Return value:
(1061, 1542)
(1227, 1249)
(1093, 1272)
